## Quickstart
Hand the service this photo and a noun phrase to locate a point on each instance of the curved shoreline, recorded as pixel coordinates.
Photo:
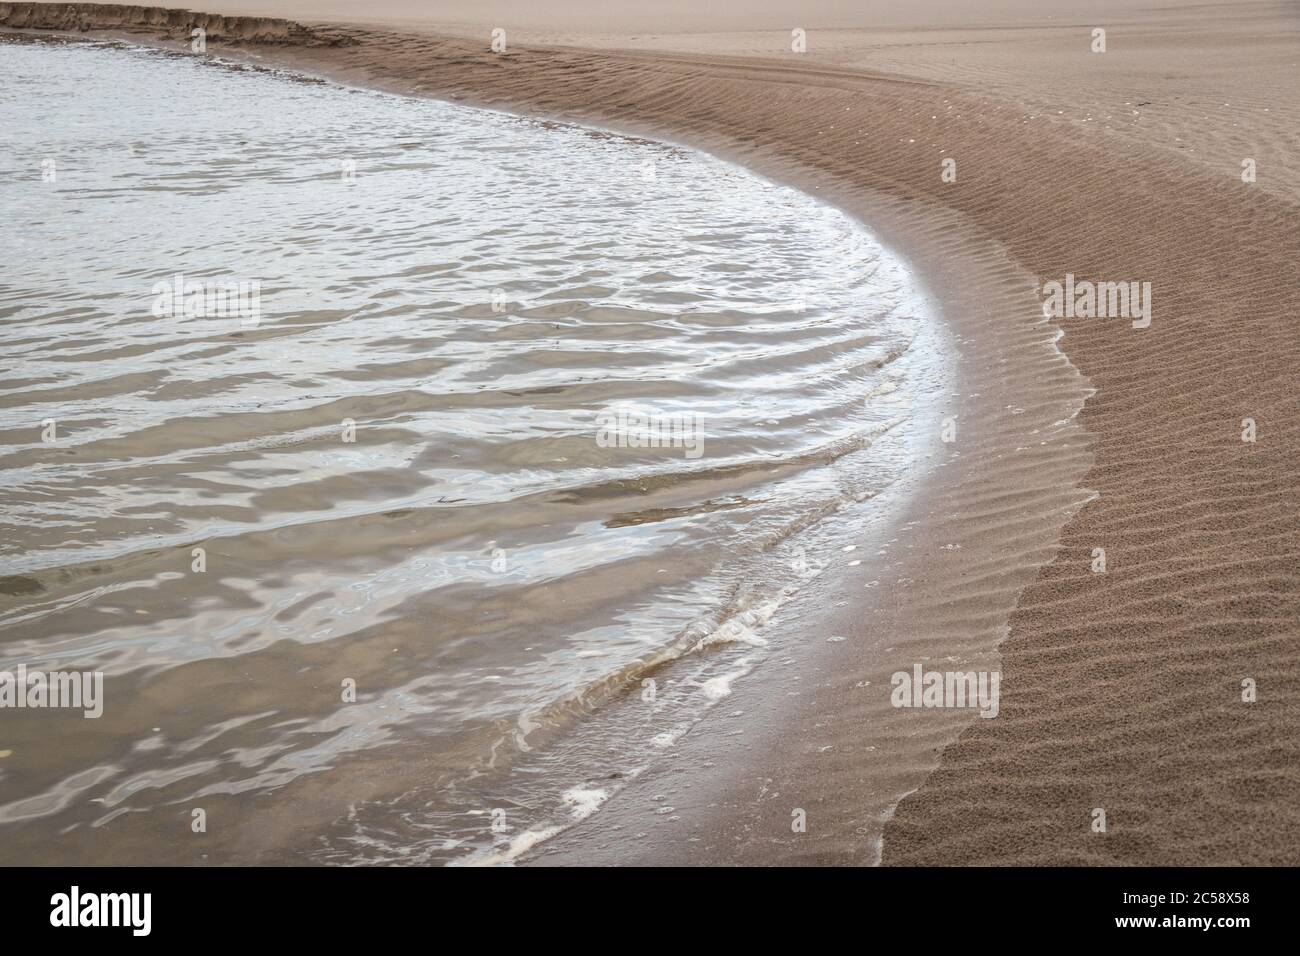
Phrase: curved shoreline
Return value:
(887, 627)
(994, 550)
(1042, 199)
(961, 574)
(1003, 542)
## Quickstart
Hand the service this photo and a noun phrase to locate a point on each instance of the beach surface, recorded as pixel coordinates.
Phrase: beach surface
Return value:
(1174, 447)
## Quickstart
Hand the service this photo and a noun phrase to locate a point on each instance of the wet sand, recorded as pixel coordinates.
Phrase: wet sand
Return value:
(1120, 690)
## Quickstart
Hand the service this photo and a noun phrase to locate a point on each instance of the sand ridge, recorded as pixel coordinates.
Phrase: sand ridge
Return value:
(160, 22)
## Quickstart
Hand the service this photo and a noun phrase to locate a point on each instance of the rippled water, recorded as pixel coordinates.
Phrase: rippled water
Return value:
(398, 469)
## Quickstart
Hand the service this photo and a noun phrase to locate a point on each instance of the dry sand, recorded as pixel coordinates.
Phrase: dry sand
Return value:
(1120, 690)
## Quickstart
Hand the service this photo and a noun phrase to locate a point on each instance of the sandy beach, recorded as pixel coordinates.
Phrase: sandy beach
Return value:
(1168, 449)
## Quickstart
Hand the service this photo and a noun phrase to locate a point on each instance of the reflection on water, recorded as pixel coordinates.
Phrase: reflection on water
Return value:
(520, 417)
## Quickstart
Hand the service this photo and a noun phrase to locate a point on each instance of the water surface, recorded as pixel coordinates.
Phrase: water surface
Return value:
(398, 469)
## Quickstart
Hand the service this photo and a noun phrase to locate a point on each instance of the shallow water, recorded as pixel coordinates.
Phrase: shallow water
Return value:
(421, 466)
